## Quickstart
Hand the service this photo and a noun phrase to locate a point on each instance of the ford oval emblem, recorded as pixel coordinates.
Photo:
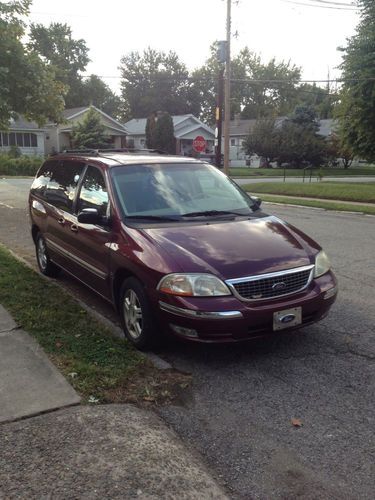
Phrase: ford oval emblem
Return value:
(287, 318)
(278, 287)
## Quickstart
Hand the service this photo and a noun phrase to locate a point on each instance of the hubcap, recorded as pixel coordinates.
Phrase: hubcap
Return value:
(42, 254)
(132, 314)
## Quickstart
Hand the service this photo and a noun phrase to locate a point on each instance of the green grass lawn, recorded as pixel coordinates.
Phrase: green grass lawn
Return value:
(327, 205)
(363, 192)
(95, 363)
(296, 172)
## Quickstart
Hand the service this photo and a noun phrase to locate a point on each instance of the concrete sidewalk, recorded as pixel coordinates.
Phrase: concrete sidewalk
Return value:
(86, 452)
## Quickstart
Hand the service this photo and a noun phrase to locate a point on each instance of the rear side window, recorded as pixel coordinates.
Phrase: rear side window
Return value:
(39, 186)
(63, 183)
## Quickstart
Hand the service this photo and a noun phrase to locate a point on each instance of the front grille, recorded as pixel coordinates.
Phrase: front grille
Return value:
(272, 286)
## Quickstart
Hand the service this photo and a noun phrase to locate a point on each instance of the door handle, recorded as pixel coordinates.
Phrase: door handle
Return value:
(61, 221)
(74, 228)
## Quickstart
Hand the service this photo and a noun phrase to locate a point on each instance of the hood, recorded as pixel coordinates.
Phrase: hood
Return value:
(233, 249)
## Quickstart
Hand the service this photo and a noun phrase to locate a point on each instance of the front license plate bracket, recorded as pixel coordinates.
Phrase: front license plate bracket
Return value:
(287, 318)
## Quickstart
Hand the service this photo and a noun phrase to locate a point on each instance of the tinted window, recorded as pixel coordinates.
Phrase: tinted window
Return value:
(62, 184)
(93, 192)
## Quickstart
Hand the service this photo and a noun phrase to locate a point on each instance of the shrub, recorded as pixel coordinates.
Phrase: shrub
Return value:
(24, 165)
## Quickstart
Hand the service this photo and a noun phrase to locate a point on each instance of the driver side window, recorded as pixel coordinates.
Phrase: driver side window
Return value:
(93, 192)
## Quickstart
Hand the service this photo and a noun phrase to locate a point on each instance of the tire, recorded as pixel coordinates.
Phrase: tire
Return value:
(45, 265)
(137, 317)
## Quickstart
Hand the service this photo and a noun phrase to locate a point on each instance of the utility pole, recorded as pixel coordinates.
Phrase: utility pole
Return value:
(219, 116)
(227, 91)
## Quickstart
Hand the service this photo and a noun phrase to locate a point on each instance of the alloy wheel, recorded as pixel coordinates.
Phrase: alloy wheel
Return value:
(133, 314)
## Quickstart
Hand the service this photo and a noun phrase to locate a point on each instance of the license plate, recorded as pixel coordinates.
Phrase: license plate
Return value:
(287, 318)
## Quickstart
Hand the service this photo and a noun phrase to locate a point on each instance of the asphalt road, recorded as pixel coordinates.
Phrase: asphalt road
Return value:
(244, 397)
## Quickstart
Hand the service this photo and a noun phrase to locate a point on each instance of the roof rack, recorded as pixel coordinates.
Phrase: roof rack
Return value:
(103, 152)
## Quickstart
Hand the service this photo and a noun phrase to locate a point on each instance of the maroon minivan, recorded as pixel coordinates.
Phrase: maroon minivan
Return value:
(176, 246)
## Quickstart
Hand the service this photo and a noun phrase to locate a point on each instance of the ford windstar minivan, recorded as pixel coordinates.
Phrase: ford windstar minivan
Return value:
(176, 246)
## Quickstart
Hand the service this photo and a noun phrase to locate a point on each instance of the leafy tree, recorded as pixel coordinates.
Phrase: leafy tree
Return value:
(90, 132)
(300, 143)
(321, 100)
(67, 56)
(27, 85)
(155, 80)
(97, 93)
(263, 140)
(356, 111)
(164, 133)
(336, 151)
(251, 99)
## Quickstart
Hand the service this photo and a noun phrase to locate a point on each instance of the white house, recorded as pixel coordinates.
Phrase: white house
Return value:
(27, 136)
(58, 137)
(186, 129)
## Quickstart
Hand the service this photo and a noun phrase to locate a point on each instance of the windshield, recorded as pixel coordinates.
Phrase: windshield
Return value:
(177, 191)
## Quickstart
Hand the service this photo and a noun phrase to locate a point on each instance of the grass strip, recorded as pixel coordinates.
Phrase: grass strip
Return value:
(298, 172)
(100, 367)
(341, 207)
(343, 191)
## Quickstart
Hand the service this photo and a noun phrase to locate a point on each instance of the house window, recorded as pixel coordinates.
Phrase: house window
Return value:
(12, 139)
(5, 139)
(26, 140)
(233, 142)
(143, 142)
(34, 140)
(19, 139)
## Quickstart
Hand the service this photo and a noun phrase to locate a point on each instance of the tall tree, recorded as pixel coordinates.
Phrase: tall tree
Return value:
(263, 140)
(66, 55)
(27, 84)
(155, 80)
(322, 100)
(164, 133)
(96, 92)
(272, 92)
(356, 111)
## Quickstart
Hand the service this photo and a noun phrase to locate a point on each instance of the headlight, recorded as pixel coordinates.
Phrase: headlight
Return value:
(322, 264)
(193, 285)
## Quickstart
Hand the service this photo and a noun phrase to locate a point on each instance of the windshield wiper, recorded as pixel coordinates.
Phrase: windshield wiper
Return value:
(211, 213)
(152, 217)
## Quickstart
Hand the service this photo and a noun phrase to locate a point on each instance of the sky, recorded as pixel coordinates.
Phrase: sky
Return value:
(306, 35)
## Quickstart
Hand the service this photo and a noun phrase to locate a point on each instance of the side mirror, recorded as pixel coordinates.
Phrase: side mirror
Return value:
(90, 216)
(257, 202)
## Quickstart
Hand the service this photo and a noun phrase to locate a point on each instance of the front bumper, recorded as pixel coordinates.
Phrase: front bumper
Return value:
(227, 319)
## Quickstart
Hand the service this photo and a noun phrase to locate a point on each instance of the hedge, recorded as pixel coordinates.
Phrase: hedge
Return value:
(24, 165)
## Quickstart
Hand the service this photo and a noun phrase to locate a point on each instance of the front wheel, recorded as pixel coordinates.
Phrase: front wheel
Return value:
(136, 315)
(46, 266)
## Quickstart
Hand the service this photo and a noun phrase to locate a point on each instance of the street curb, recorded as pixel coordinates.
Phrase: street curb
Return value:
(115, 330)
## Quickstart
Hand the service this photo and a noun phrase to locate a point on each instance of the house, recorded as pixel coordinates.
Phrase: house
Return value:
(186, 129)
(58, 137)
(27, 136)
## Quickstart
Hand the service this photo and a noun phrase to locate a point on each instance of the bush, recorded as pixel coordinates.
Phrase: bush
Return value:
(24, 165)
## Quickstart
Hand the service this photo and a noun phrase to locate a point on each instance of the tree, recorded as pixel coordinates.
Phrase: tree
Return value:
(336, 151)
(150, 131)
(321, 100)
(68, 57)
(274, 93)
(155, 80)
(300, 143)
(164, 133)
(97, 93)
(263, 140)
(90, 132)
(27, 84)
(356, 110)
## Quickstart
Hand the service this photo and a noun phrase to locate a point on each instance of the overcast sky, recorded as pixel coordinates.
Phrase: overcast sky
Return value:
(307, 35)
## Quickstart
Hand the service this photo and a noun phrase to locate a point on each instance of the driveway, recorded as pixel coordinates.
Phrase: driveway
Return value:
(244, 397)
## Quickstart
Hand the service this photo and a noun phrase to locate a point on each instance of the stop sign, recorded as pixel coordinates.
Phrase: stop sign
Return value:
(199, 144)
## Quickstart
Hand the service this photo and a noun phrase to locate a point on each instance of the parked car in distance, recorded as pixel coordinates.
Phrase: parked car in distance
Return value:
(177, 248)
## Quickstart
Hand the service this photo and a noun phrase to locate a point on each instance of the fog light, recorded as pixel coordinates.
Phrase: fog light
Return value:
(330, 293)
(185, 332)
